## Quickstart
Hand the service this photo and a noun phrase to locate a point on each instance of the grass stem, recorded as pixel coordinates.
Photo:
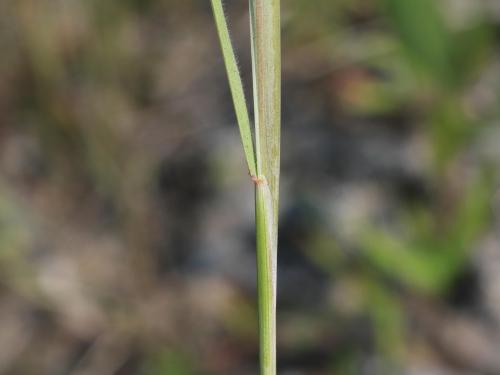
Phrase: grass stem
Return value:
(264, 162)
(266, 62)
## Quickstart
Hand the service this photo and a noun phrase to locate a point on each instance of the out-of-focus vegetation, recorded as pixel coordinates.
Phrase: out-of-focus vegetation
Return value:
(125, 232)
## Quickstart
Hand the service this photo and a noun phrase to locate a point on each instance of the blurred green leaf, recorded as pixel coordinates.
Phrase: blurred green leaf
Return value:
(171, 363)
(450, 130)
(473, 213)
(388, 319)
(430, 260)
(413, 267)
(471, 48)
(424, 36)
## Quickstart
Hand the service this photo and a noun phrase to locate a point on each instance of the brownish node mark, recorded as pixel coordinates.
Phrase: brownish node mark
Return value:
(257, 180)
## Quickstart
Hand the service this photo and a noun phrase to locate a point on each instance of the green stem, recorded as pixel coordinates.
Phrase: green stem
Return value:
(266, 62)
(264, 163)
(266, 276)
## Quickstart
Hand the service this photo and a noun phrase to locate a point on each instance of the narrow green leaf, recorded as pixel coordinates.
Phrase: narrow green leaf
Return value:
(235, 85)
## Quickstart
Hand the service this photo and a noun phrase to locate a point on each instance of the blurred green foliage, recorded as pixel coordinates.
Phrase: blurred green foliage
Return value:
(168, 362)
(433, 67)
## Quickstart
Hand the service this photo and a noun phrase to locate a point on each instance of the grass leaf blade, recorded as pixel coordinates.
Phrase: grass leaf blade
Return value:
(235, 84)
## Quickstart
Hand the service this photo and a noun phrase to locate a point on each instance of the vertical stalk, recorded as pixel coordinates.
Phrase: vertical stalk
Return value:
(266, 62)
(264, 163)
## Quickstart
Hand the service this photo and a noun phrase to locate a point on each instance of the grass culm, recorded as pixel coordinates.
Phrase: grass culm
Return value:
(262, 150)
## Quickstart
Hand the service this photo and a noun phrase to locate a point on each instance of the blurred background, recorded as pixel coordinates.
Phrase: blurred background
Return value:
(126, 211)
